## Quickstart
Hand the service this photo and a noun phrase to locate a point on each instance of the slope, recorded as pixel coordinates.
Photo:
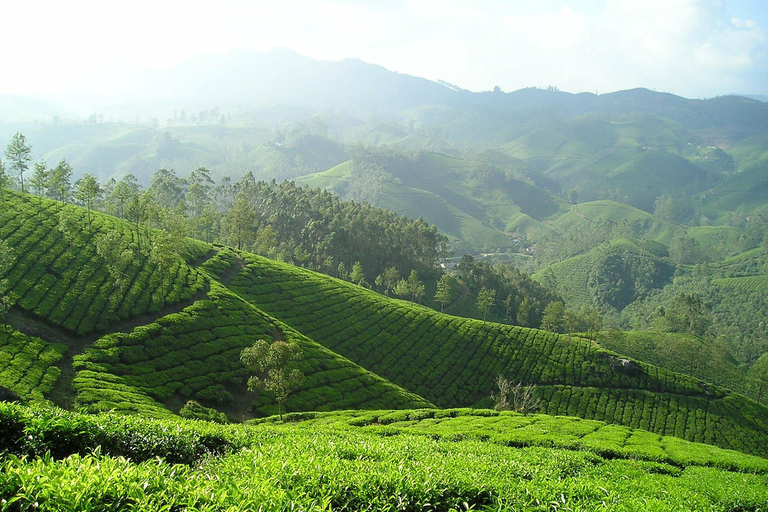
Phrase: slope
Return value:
(453, 361)
(131, 339)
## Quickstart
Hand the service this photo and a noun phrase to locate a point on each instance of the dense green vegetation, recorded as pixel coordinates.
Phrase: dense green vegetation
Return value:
(60, 276)
(196, 353)
(439, 460)
(165, 352)
(634, 210)
(453, 361)
(28, 364)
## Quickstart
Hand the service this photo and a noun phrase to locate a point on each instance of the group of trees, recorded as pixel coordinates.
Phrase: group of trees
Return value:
(505, 291)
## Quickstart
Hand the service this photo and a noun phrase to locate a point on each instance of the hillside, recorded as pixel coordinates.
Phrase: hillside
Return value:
(182, 337)
(453, 361)
(171, 338)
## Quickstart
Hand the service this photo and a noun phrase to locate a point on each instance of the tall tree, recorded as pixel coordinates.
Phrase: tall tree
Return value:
(199, 191)
(553, 318)
(116, 202)
(19, 154)
(274, 364)
(139, 211)
(60, 182)
(759, 374)
(239, 222)
(485, 299)
(415, 286)
(7, 260)
(388, 280)
(443, 293)
(164, 252)
(39, 180)
(357, 275)
(169, 190)
(87, 191)
(116, 256)
(3, 180)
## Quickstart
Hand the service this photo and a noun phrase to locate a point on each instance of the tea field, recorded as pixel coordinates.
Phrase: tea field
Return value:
(453, 361)
(53, 460)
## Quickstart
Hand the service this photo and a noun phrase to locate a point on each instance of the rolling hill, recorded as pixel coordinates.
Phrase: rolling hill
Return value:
(181, 336)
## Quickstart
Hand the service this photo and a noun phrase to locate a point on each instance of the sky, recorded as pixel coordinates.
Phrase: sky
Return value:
(693, 48)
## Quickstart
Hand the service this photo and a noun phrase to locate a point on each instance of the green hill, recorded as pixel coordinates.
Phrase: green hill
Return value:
(182, 335)
(453, 361)
(137, 347)
(471, 200)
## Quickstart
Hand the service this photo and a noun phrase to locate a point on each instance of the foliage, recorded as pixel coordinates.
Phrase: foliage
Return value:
(274, 363)
(450, 360)
(193, 410)
(194, 354)
(411, 460)
(19, 154)
(61, 277)
(485, 299)
(28, 364)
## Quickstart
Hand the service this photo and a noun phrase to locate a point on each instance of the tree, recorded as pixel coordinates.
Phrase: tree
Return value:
(485, 299)
(116, 256)
(553, 318)
(87, 191)
(388, 279)
(443, 293)
(509, 304)
(39, 180)
(164, 252)
(199, 190)
(239, 222)
(59, 182)
(69, 225)
(116, 202)
(3, 180)
(139, 211)
(688, 314)
(341, 271)
(273, 363)
(357, 276)
(524, 313)
(415, 286)
(19, 154)
(515, 397)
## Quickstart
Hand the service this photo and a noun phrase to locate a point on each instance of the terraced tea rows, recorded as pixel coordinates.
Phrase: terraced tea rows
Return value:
(513, 429)
(416, 460)
(27, 364)
(747, 283)
(195, 354)
(453, 361)
(63, 280)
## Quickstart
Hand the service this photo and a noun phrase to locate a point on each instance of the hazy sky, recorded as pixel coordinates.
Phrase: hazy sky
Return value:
(694, 48)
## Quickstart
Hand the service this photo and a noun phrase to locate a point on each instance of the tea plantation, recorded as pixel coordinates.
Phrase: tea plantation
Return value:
(453, 361)
(59, 276)
(418, 460)
(107, 339)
